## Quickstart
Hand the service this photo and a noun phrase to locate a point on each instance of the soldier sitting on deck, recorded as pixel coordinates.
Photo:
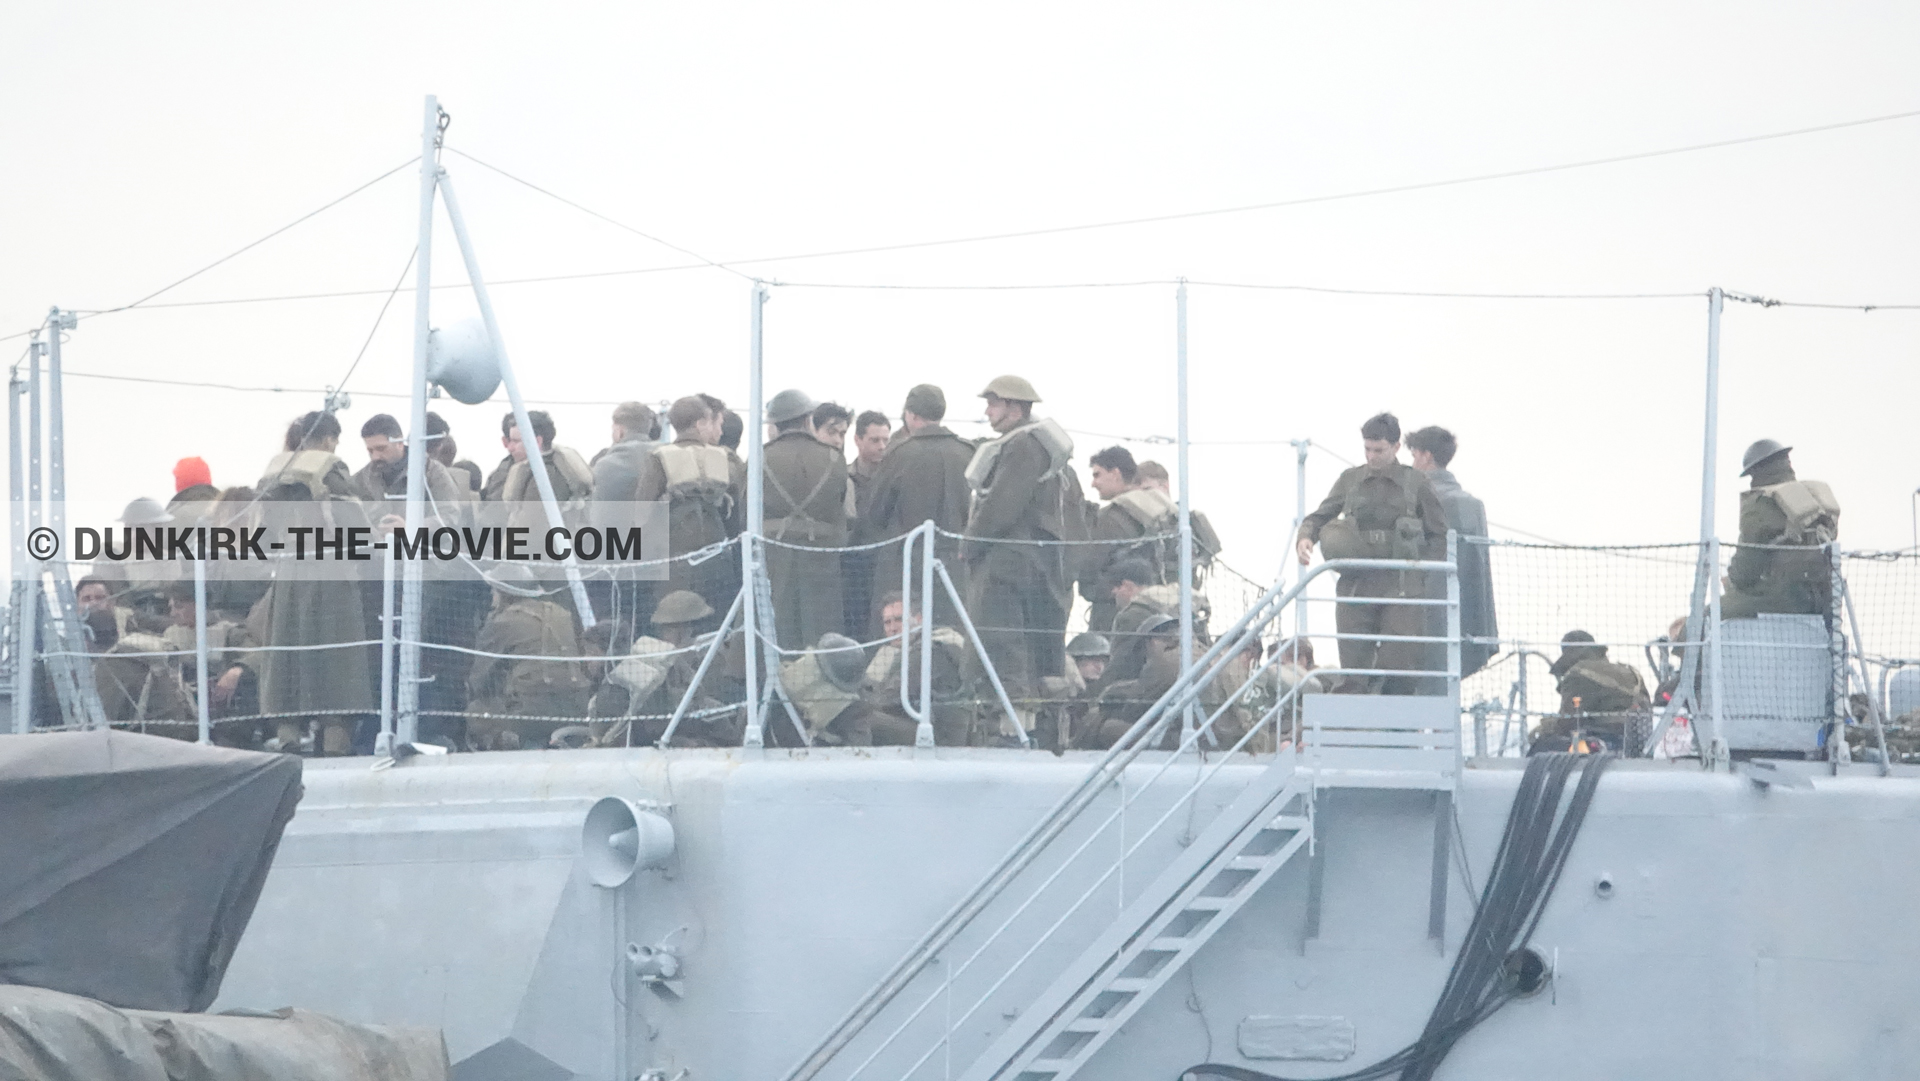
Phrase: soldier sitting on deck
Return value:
(644, 688)
(517, 688)
(1598, 699)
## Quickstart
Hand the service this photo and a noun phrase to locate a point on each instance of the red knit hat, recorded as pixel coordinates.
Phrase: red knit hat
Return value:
(188, 472)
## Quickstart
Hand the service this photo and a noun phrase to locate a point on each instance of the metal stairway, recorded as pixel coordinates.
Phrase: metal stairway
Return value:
(1028, 975)
(1159, 932)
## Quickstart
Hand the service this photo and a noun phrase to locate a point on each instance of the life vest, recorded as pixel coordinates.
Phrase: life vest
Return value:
(697, 473)
(818, 699)
(1812, 513)
(1054, 438)
(643, 671)
(1343, 538)
(303, 469)
(1159, 520)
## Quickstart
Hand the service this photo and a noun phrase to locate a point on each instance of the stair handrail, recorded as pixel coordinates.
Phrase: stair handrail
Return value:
(1064, 812)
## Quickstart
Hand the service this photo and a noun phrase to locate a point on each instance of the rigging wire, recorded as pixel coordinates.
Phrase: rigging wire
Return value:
(1361, 194)
(238, 251)
(596, 214)
(375, 329)
(730, 265)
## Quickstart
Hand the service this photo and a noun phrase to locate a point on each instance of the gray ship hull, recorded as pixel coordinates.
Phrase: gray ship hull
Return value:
(1741, 937)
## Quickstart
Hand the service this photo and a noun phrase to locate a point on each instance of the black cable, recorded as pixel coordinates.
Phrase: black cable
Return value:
(1533, 852)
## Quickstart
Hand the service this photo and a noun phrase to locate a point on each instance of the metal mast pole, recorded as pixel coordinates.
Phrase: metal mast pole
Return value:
(408, 693)
(1186, 508)
(74, 673)
(34, 470)
(1709, 535)
(536, 458)
(1300, 447)
(756, 513)
(56, 424)
(23, 622)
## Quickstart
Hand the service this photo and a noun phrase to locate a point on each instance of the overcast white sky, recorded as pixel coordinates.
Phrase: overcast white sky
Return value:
(147, 141)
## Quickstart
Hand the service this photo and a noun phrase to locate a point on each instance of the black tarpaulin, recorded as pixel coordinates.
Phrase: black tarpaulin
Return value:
(130, 864)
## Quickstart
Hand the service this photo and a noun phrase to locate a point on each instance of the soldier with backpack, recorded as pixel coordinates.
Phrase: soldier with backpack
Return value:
(1137, 522)
(704, 488)
(1779, 514)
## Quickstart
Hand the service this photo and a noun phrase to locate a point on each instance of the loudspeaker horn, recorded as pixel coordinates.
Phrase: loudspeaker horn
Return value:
(620, 837)
(462, 361)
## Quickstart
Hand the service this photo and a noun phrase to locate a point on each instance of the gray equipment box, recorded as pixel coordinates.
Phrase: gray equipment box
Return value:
(1777, 677)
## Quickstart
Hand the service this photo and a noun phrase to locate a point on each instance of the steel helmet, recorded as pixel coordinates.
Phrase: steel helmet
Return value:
(144, 511)
(1760, 452)
(842, 661)
(1012, 388)
(1089, 644)
(681, 606)
(789, 405)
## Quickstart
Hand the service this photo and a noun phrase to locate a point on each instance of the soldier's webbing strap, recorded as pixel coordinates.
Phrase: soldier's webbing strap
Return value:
(1410, 500)
(795, 508)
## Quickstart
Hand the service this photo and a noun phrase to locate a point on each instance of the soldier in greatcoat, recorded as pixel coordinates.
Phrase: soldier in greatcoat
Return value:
(1027, 502)
(805, 509)
(309, 604)
(922, 478)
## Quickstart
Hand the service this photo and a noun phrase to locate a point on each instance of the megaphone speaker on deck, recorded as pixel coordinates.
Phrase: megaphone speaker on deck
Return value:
(619, 838)
(462, 361)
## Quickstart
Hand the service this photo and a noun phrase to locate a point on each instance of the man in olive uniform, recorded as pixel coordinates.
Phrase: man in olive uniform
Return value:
(1432, 449)
(1070, 697)
(644, 687)
(870, 432)
(1380, 510)
(705, 492)
(922, 478)
(308, 604)
(1133, 513)
(1598, 698)
(616, 476)
(1139, 603)
(1026, 501)
(139, 683)
(512, 680)
(383, 480)
(1779, 510)
(806, 505)
(1206, 540)
(953, 704)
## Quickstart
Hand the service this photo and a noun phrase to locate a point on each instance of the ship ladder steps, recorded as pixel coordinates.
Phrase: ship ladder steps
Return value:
(1158, 933)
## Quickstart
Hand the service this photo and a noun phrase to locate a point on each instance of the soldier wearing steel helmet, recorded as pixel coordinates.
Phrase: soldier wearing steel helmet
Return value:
(644, 687)
(1069, 698)
(1026, 502)
(806, 506)
(1778, 514)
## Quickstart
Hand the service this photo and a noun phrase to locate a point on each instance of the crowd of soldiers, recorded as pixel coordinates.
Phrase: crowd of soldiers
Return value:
(509, 661)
